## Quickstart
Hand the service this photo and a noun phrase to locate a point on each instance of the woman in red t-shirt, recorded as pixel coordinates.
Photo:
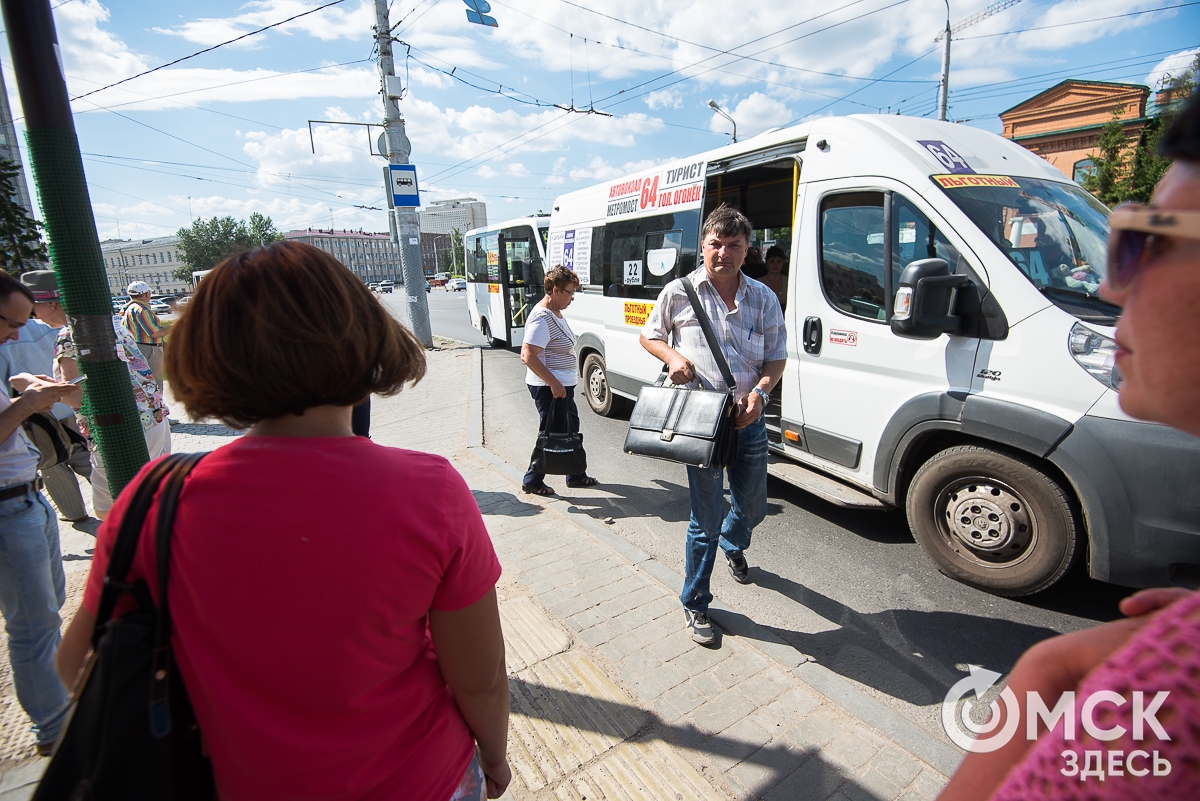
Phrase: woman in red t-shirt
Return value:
(333, 600)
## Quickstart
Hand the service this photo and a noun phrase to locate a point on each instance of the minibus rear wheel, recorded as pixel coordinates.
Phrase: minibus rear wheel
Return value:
(993, 520)
(595, 386)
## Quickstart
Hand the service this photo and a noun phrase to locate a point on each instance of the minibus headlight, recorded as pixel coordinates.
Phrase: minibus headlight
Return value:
(1095, 353)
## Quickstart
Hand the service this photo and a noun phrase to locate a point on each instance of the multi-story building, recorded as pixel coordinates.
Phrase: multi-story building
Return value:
(151, 260)
(432, 248)
(442, 217)
(372, 257)
(10, 150)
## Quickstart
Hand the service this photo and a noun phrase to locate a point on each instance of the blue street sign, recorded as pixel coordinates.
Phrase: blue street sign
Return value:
(403, 179)
(477, 11)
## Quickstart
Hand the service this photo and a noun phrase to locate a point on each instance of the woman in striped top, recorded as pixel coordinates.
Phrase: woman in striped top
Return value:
(549, 353)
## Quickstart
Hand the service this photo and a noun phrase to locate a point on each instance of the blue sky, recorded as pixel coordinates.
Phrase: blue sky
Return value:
(227, 133)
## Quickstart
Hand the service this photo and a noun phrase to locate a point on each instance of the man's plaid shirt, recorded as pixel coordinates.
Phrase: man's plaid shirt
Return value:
(752, 333)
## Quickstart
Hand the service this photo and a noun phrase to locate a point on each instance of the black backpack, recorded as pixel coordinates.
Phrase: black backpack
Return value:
(131, 732)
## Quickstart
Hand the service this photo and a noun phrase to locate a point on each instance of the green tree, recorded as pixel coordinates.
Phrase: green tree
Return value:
(450, 260)
(209, 242)
(21, 245)
(1108, 164)
(1147, 167)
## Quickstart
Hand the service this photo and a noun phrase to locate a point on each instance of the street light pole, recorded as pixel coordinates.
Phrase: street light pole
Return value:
(713, 105)
(398, 147)
(944, 86)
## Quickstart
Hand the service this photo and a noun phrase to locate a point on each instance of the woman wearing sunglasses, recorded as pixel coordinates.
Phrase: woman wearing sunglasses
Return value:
(1121, 744)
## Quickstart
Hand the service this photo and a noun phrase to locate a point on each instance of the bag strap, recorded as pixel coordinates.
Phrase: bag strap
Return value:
(168, 502)
(545, 427)
(125, 547)
(709, 336)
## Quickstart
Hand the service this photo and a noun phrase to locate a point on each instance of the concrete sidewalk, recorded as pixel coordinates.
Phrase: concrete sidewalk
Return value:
(610, 697)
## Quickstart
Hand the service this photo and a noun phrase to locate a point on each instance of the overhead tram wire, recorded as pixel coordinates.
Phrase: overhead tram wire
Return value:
(1080, 22)
(452, 171)
(210, 49)
(718, 51)
(859, 89)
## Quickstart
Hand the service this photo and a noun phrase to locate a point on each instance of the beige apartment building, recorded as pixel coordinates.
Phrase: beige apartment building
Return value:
(150, 260)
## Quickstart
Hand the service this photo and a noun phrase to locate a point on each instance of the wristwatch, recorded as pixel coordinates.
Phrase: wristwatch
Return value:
(762, 394)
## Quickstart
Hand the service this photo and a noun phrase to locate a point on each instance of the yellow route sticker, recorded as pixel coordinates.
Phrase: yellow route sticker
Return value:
(956, 181)
(636, 313)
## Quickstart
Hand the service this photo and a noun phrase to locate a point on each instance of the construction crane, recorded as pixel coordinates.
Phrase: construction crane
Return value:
(944, 37)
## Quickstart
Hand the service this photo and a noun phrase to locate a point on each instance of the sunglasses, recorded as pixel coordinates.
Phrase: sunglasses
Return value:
(1137, 232)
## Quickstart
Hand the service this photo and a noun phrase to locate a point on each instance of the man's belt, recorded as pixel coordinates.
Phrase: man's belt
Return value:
(149, 344)
(16, 491)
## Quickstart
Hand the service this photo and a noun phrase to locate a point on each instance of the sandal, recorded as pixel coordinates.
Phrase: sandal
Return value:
(586, 481)
(537, 490)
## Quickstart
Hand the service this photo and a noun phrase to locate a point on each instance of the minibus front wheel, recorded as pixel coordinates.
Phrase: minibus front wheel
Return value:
(595, 386)
(993, 520)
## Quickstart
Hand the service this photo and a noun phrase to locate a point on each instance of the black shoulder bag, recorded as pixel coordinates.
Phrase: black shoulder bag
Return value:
(692, 426)
(558, 453)
(131, 732)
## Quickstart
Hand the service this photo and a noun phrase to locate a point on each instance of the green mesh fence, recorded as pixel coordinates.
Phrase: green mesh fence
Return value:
(75, 250)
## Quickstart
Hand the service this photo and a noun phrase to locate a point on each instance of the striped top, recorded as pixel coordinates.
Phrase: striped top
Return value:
(142, 323)
(548, 331)
(752, 333)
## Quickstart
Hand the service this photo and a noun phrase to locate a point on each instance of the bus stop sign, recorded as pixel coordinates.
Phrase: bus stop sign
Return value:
(402, 180)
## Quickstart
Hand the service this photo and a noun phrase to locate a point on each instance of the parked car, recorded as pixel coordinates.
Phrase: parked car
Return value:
(386, 287)
(158, 307)
(373, 286)
(456, 284)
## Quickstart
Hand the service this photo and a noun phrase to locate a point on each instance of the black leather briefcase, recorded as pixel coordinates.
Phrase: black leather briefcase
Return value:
(691, 426)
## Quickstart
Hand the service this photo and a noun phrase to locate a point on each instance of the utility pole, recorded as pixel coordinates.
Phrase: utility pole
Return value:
(944, 86)
(74, 247)
(408, 228)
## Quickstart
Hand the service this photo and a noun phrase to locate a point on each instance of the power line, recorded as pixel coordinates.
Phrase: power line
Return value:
(1080, 22)
(210, 49)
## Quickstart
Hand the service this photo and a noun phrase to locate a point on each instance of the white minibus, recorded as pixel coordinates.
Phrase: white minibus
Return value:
(505, 274)
(947, 350)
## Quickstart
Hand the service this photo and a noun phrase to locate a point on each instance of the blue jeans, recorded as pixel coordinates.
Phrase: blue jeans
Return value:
(710, 526)
(565, 422)
(32, 590)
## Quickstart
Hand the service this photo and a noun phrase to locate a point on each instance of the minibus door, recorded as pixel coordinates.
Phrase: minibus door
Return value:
(522, 278)
(855, 372)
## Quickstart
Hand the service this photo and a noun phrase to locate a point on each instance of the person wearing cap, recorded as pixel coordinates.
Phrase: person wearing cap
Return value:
(32, 583)
(147, 397)
(32, 354)
(147, 330)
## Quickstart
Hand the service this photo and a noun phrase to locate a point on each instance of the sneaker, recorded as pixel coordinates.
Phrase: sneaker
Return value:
(739, 569)
(699, 627)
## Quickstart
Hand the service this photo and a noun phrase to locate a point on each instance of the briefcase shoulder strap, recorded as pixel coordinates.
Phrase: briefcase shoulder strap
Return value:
(709, 335)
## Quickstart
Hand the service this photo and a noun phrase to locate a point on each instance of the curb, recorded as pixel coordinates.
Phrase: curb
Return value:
(832, 685)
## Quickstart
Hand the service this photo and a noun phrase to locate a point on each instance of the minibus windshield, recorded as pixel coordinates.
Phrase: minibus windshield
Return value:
(1055, 233)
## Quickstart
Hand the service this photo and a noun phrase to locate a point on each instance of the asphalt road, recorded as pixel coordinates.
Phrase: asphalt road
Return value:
(448, 315)
(849, 588)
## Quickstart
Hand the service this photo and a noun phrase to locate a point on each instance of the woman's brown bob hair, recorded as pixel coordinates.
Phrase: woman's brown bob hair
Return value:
(560, 278)
(283, 328)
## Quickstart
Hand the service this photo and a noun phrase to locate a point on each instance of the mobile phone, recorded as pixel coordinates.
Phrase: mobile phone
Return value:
(79, 379)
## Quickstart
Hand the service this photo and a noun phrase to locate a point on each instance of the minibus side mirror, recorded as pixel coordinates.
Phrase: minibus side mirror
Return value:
(925, 300)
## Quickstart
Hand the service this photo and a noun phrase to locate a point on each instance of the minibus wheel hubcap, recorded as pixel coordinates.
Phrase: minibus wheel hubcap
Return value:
(989, 518)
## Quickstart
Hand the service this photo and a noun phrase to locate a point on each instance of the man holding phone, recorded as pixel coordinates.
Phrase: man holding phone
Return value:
(32, 584)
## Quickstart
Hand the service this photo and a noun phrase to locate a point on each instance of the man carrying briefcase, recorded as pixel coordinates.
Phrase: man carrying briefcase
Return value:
(748, 323)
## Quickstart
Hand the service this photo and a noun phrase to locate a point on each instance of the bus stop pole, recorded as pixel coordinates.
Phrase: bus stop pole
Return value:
(74, 245)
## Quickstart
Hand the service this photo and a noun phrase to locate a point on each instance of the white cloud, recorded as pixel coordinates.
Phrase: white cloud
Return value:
(1172, 66)
(430, 78)
(753, 114)
(600, 170)
(338, 22)
(664, 98)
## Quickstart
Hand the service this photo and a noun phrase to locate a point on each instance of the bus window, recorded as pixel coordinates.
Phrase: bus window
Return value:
(641, 256)
(525, 276)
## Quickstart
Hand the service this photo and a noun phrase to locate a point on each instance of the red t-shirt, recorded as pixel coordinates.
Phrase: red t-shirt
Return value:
(302, 573)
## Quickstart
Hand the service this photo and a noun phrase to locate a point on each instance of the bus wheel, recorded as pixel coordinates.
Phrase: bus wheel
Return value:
(486, 330)
(595, 383)
(993, 521)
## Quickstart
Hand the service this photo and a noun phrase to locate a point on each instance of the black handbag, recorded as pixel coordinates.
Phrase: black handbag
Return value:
(131, 732)
(691, 426)
(558, 453)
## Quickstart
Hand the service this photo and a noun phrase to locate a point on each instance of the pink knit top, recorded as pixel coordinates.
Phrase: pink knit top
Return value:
(1163, 656)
